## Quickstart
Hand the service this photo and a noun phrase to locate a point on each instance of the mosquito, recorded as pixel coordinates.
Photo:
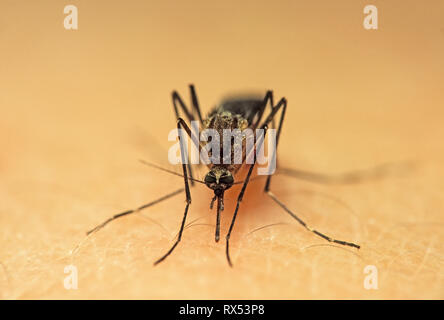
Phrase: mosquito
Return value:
(239, 113)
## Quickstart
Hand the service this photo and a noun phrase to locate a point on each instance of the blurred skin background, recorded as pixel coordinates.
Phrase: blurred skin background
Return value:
(78, 108)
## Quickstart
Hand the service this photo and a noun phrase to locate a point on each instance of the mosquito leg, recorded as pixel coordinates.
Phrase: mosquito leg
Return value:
(125, 213)
(195, 103)
(329, 239)
(272, 107)
(271, 98)
(180, 123)
(187, 129)
(241, 195)
(282, 103)
(268, 96)
(179, 237)
(177, 100)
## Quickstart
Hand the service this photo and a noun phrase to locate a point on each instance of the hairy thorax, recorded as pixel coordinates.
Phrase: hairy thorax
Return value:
(220, 120)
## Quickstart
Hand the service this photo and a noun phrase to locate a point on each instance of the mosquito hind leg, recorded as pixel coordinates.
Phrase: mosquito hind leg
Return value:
(306, 226)
(283, 104)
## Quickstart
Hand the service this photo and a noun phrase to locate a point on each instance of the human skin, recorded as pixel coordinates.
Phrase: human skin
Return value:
(79, 109)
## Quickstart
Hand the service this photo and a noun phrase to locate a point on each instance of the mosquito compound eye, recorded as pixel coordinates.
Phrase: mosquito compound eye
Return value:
(226, 179)
(210, 178)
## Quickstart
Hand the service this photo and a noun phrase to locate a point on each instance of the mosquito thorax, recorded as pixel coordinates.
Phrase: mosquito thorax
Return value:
(219, 179)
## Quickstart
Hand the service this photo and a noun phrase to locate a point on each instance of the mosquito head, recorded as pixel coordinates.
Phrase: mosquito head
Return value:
(219, 179)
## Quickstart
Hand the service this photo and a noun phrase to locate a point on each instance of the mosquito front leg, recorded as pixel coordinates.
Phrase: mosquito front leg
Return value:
(125, 213)
(257, 146)
(194, 102)
(180, 123)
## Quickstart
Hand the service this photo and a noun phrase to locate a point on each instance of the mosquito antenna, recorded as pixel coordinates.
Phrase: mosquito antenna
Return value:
(166, 170)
